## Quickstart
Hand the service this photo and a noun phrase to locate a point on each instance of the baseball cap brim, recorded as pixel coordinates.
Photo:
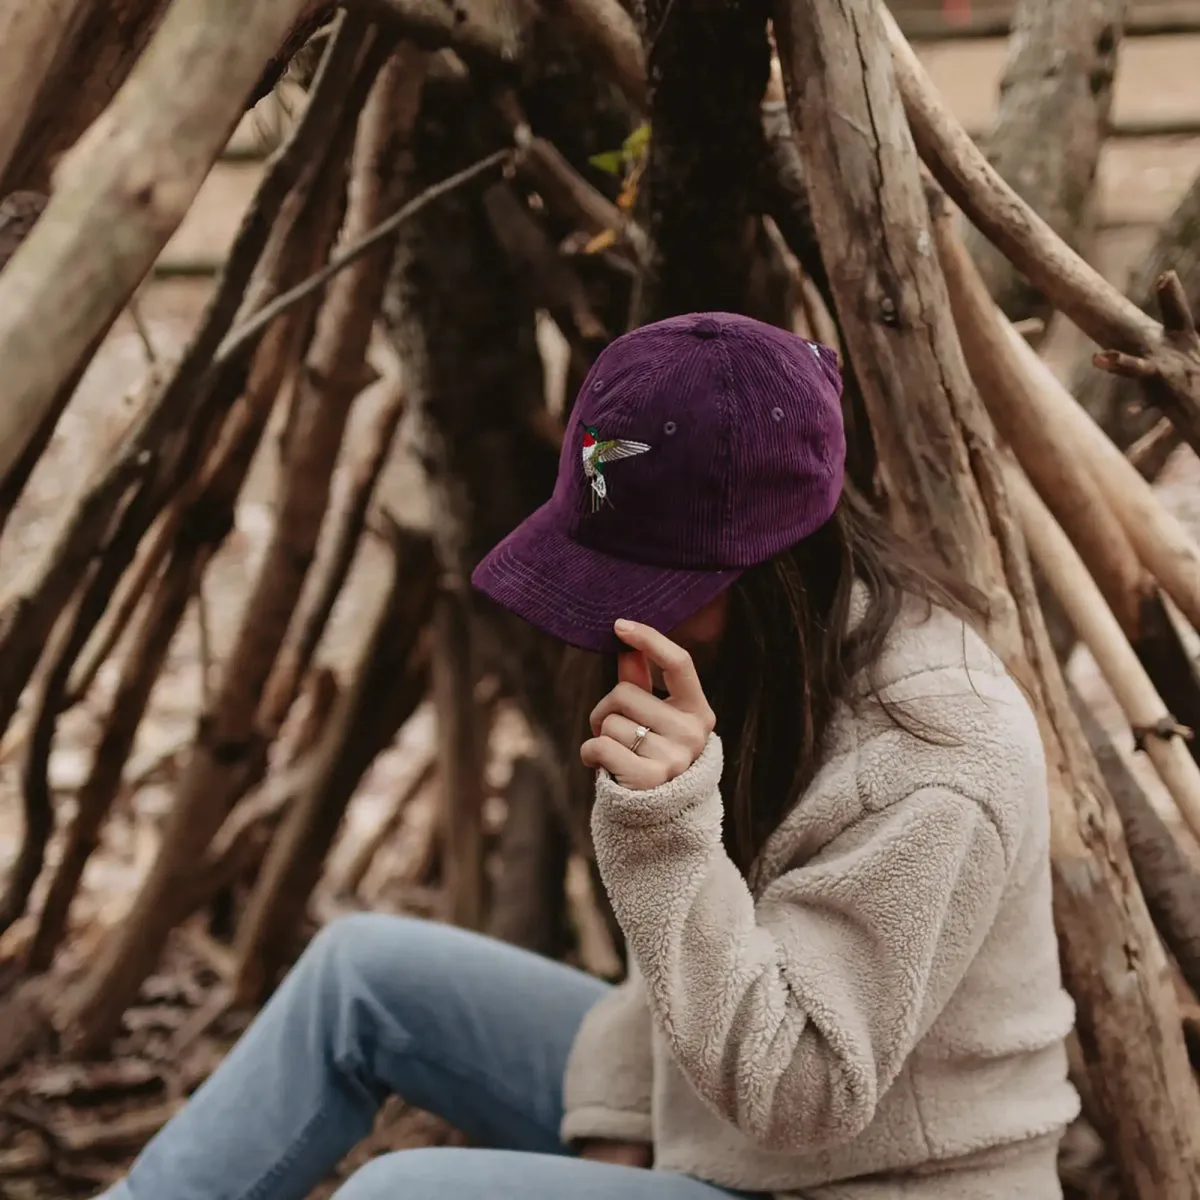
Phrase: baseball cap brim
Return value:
(576, 594)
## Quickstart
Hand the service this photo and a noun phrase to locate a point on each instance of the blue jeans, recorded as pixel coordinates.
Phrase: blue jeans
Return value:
(460, 1025)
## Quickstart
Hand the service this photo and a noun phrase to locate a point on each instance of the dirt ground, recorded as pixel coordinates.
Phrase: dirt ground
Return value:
(1140, 180)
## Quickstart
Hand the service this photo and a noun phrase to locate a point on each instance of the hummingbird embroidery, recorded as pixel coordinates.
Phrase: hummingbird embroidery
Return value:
(597, 452)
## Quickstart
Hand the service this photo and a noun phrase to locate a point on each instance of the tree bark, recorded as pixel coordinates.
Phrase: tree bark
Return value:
(94, 55)
(122, 192)
(708, 62)
(463, 322)
(1169, 881)
(56, 111)
(1118, 404)
(1055, 98)
(529, 901)
(31, 35)
(866, 192)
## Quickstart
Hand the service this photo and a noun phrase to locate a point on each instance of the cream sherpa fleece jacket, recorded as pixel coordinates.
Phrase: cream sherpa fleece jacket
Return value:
(882, 1014)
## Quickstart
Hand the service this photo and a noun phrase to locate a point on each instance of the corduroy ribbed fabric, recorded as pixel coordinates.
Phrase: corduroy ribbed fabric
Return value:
(719, 442)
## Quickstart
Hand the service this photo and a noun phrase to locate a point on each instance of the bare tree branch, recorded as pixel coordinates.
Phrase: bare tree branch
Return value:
(120, 194)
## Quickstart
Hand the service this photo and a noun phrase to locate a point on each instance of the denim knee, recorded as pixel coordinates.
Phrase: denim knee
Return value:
(429, 1173)
(354, 946)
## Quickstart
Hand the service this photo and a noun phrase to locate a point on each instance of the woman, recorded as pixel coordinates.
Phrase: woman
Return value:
(820, 814)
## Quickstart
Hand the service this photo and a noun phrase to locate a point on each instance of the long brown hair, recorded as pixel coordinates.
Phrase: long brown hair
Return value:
(789, 656)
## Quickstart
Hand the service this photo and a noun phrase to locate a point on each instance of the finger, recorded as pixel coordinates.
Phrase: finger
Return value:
(643, 708)
(624, 731)
(634, 667)
(628, 769)
(679, 672)
(676, 757)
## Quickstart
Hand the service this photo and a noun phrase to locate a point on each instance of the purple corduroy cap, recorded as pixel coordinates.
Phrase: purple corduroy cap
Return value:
(698, 447)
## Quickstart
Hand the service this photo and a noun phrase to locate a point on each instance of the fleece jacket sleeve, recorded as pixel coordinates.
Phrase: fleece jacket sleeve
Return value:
(606, 1090)
(791, 1016)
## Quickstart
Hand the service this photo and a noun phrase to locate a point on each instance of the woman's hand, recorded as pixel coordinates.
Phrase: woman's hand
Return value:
(640, 739)
(622, 1154)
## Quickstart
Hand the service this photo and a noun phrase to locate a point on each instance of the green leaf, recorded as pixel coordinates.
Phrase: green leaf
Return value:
(610, 161)
(637, 142)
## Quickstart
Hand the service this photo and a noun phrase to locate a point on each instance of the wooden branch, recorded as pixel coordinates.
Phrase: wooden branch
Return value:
(139, 672)
(1172, 379)
(1100, 631)
(569, 195)
(356, 870)
(390, 678)
(1116, 403)
(1168, 877)
(92, 59)
(244, 334)
(462, 741)
(869, 209)
(1149, 454)
(31, 35)
(37, 804)
(179, 413)
(135, 583)
(223, 747)
(870, 214)
(1050, 124)
(1078, 290)
(606, 31)
(122, 192)
(555, 285)
(246, 834)
(1061, 474)
(487, 30)
(708, 63)
(1147, 18)
(330, 384)
(1167, 549)
(785, 195)
(330, 571)
(529, 904)
(961, 168)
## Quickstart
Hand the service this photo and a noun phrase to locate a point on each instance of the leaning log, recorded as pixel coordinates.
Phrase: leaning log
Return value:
(122, 192)
(870, 213)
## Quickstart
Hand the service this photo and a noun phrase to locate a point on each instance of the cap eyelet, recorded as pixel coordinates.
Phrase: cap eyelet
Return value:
(777, 413)
(669, 428)
(598, 386)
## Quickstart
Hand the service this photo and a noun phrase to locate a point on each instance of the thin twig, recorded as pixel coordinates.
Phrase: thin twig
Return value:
(203, 632)
(242, 336)
(143, 330)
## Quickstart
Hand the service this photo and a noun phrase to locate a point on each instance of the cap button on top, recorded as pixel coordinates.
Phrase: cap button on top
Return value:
(706, 327)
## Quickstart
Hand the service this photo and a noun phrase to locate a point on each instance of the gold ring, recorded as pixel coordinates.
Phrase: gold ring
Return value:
(639, 736)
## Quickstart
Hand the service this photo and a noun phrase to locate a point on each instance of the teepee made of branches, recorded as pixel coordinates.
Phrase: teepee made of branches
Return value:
(455, 177)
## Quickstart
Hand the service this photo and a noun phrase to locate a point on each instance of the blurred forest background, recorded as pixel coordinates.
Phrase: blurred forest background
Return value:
(267, 697)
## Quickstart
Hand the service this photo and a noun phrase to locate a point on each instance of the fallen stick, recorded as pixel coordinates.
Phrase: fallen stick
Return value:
(1100, 631)
(121, 193)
